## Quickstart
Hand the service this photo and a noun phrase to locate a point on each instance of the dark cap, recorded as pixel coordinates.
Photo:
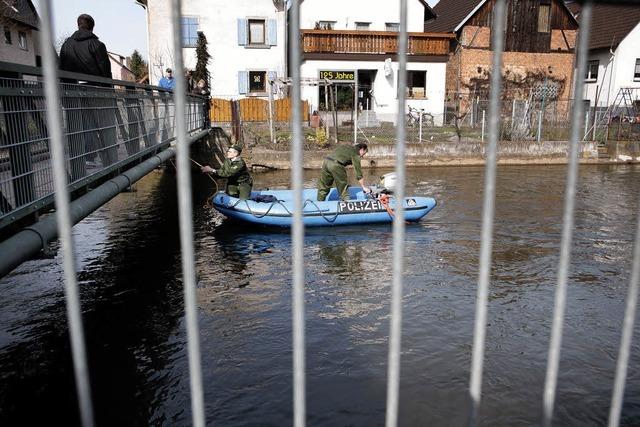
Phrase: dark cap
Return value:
(169, 70)
(237, 148)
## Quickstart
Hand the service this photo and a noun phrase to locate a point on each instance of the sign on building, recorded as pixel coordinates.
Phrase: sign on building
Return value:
(338, 75)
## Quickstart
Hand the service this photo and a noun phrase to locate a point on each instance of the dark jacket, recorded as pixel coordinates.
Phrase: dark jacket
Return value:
(84, 53)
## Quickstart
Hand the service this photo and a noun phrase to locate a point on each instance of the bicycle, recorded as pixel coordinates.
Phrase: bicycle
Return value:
(413, 117)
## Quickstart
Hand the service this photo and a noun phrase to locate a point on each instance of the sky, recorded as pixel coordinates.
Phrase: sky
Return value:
(120, 24)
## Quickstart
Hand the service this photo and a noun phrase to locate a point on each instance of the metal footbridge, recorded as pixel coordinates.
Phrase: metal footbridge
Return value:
(114, 132)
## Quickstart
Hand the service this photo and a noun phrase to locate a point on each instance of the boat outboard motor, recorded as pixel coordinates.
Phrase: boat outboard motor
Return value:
(386, 185)
(388, 181)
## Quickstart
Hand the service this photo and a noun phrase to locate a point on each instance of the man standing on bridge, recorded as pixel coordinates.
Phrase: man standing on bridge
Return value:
(84, 53)
(92, 128)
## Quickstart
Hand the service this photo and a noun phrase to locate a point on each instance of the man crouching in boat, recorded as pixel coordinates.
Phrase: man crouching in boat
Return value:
(334, 170)
(239, 181)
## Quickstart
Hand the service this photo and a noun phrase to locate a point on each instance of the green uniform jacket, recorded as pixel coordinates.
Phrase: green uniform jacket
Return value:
(238, 178)
(348, 155)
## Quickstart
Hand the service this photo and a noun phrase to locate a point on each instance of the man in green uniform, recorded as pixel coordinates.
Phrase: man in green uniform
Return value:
(239, 181)
(334, 170)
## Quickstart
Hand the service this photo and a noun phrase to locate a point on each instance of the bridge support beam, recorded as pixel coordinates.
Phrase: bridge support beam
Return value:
(31, 240)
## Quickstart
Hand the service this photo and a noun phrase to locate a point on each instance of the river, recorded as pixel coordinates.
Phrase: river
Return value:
(130, 279)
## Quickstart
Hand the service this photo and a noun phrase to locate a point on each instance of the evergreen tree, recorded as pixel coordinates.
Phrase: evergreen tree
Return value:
(202, 55)
(138, 65)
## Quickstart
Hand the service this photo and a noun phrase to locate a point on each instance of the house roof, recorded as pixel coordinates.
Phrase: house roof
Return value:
(611, 23)
(452, 14)
(428, 11)
(21, 11)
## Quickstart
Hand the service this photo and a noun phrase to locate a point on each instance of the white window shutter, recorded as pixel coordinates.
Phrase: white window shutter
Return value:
(243, 82)
(272, 32)
(272, 75)
(242, 32)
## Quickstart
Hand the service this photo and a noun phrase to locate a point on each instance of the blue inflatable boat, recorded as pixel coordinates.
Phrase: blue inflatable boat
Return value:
(275, 208)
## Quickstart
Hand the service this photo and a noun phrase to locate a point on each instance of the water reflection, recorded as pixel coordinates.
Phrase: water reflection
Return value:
(129, 268)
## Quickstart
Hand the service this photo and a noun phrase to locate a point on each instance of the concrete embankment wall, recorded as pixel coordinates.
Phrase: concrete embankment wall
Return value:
(434, 154)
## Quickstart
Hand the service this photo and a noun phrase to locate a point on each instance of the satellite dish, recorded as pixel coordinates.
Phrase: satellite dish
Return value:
(387, 67)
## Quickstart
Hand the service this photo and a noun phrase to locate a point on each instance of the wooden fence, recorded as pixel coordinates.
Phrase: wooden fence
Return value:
(255, 110)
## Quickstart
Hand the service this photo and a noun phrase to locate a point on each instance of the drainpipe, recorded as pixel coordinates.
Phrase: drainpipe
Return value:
(31, 240)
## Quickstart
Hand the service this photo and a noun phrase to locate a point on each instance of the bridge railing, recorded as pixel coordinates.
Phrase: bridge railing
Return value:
(107, 124)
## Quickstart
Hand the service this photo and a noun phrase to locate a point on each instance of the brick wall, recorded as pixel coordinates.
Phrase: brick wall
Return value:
(473, 36)
(558, 42)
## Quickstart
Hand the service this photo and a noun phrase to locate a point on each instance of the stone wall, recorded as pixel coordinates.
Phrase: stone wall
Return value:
(433, 154)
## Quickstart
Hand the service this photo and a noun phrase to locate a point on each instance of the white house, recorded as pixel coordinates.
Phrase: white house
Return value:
(19, 21)
(246, 42)
(119, 69)
(354, 44)
(614, 54)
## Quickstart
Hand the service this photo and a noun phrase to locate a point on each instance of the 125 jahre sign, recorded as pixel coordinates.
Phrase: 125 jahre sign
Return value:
(338, 75)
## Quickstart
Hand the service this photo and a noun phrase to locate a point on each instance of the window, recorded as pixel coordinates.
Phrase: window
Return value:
(326, 25)
(257, 81)
(7, 35)
(189, 31)
(544, 21)
(363, 26)
(256, 31)
(592, 71)
(392, 26)
(636, 72)
(22, 40)
(416, 84)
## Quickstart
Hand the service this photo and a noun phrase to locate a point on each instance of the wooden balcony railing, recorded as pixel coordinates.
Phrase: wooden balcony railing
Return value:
(373, 42)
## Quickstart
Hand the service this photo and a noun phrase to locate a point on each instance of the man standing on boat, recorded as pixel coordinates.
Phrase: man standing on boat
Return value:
(239, 182)
(334, 170)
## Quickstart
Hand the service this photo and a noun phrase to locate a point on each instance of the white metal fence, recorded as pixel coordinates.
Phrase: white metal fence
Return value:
(298, 278)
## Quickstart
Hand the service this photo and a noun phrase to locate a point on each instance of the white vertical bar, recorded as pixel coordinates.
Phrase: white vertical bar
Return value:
(586, 123)
(355, 108)
(567, 227)
(395, 327)
(627, 333)
(186, 222)
(63, 217)
(483, 124)
(326, 111)
(297, 229)
(420, 126)
(497, 42)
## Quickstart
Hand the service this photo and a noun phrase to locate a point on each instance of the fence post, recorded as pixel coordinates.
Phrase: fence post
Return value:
(473, 108)
(513, 113)
(334, 105)
(326, 111)
(366, 123)
(420, 127)
(482, 137)
(586, 125)
(235, 120)
(355, 110)
(270, 89)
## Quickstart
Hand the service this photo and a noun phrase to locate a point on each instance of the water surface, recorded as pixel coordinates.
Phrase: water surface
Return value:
(130, 278)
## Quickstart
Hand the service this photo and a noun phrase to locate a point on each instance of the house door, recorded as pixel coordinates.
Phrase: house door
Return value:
(365, 89)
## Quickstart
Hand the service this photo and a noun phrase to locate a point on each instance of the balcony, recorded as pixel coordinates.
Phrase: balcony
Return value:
(372, 42)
